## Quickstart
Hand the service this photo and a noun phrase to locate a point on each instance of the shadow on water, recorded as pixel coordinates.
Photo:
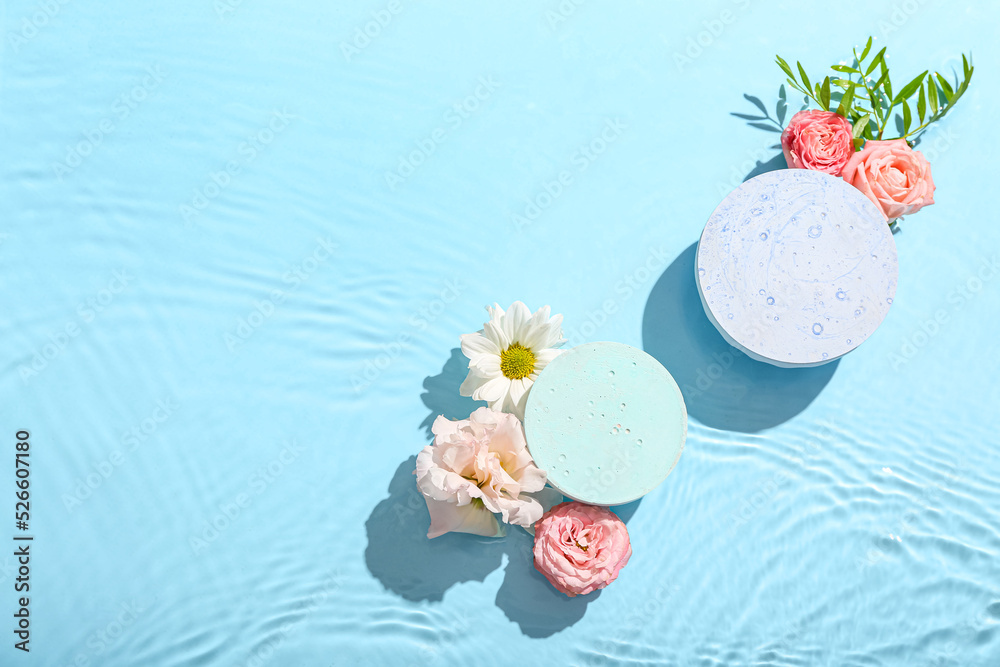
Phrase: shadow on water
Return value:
(761, 119)
(723, 388)
(774, 164)
(412, 566)
(441, 392)
(401, 557)
(407, 563)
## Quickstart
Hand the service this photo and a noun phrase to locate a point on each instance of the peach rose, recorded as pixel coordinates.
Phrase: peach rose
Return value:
(475, 468)
(580, 548)
(893, 175)
(817, 140)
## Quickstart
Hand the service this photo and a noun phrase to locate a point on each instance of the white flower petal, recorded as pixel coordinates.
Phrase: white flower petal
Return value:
(447, 517)
(473, 381)
(544, 357)
(476, 345)
(535, 338)
(443, 426)
(495, 311)
(541, 316)
(493, 390)
(533, 479)
(515, 321)
(487, 366)
(516, 407)
(494, 331)
(518, 388)
(555, 331)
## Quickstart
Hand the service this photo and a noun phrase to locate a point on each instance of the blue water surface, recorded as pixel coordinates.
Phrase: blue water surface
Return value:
(239, 240)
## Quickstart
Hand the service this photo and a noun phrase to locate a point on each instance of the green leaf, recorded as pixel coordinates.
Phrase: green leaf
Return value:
(922, 104)
(861, 124)
(783, 65)
(824, 94)
(932, 95)
(887, 89)
(802, 73)
(875, 62)
(958, 93)
(868, 47)
(966, 71)
(909, 88)
(858, 142)
(946, 88)
(882, 79)
(845, 69)
(907, 117)
(846, 100)
(795, 85)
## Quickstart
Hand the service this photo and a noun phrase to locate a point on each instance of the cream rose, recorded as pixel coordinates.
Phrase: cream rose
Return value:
(478, 467)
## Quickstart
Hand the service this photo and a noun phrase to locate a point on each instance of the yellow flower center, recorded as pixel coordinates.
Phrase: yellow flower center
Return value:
(517, 362)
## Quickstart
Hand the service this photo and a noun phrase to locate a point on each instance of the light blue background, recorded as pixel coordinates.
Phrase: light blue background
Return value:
(848, 515)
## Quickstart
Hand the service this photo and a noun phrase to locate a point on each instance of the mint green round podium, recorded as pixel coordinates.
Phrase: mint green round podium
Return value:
(607, 422)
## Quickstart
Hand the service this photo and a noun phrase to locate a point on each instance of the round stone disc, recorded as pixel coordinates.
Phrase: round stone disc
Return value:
(796, 268)
(607, 422)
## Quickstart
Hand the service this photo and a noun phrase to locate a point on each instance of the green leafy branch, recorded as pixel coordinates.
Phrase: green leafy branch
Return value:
(865, 97)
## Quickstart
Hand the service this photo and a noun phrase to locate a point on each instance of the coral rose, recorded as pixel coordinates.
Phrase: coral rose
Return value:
(476, 467)
(580, 548)
(893, 175)
(817, 140)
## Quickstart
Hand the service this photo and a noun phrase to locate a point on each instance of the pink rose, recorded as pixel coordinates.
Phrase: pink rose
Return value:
(817, 140)
(893, 175)
(475, 468)
(580, 548)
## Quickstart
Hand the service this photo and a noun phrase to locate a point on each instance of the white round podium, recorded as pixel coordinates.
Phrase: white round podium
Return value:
(796, 268)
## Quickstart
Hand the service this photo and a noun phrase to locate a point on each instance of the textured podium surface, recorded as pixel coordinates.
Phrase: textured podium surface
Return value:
(796, 268)
(607, 422)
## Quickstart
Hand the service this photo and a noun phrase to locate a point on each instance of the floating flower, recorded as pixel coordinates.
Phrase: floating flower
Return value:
(893, 175)
(580, 548)
(507, 355)
(818, 140)
(475, 468)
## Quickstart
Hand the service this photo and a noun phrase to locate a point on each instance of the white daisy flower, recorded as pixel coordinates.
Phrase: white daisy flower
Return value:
(506, 356)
